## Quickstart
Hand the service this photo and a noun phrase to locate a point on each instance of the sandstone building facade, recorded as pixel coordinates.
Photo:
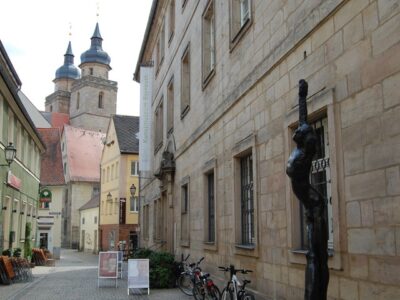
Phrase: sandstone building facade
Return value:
(224, 94)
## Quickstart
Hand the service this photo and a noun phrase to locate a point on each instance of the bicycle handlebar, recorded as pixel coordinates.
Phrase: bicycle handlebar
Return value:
(233, 270)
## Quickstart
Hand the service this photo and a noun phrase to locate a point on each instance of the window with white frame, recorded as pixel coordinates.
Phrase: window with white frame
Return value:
(185, 82)
(134, 168)
(10, 126)
(134, 204)
(170, 106)
(161, 46)
(240, 16)
(208, 41)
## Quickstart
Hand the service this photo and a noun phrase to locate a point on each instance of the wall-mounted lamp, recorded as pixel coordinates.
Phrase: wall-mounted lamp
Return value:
(109, 197)
(4, 207)
(132, 189)
(28, 215)
(34, 216)
(14, 210)
(22, 213)
(10, 152)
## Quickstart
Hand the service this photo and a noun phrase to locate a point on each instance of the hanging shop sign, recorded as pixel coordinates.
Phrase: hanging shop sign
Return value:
(45, 196)
(13, 181)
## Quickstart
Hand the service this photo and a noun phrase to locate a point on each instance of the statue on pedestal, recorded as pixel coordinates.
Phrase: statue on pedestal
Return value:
(315, 205)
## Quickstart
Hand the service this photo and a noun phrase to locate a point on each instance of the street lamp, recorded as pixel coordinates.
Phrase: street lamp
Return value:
(132, 189)
(10, 152)
(109, 196)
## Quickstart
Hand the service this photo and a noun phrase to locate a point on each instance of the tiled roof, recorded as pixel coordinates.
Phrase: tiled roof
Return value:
(84, 149)
(51, 169)
(92, 203)
(56, 119)
(127, 128)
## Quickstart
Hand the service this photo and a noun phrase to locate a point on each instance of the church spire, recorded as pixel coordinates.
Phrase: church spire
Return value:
(68, 70)
(96, 53)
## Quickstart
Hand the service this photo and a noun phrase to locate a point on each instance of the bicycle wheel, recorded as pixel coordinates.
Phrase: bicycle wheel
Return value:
(227, 294)
(247, 296)
(185, 284)
(198, 291)
(213, 293)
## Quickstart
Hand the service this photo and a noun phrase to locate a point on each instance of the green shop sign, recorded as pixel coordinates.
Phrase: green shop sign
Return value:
(45, 196)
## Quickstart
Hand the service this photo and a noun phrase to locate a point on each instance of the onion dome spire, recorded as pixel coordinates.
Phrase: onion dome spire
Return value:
(96, 53)
(68, 70)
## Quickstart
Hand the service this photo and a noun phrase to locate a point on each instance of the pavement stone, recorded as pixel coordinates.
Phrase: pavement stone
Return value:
(75, 277)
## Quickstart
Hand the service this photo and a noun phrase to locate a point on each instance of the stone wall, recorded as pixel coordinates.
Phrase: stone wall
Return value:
(348, 51)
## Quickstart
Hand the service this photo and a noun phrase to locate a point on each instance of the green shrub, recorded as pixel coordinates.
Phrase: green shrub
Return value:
(7, 252)
(17, 252)
(162, 267)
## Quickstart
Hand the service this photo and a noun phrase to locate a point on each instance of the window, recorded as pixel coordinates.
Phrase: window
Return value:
(83, 220)
(170, 106)
(44, 205)
(320, 179)
(171, 27)
(208, 45)
(65, 168)
(159, 128)
(103, 175)
(161, 46)
(134, 204)
(134, 168)
(91, 71)
(112, 172)
(185, 83)
(240, 17)
(185, 213)
(210, 208)
(101, 104)
(10, 126)
(247, 200)
(51, 108)
(78, 99)
(108, 174)
(146, 221)
(95, 220)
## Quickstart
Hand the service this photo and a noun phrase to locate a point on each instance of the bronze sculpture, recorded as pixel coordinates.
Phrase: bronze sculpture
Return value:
(298, 169)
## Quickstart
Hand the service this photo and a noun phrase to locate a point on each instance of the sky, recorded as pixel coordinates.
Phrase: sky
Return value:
(36, 35)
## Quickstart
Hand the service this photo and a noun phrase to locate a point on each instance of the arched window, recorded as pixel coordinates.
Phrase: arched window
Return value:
(101, 100)
(78, 98)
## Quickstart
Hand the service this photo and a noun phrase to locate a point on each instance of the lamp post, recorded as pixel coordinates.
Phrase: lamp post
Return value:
(10, 153)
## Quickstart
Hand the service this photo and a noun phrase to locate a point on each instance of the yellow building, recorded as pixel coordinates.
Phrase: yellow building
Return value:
(119, 174)
(89, 225)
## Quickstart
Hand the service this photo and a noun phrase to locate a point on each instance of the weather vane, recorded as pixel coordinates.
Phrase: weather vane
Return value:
(70, 30)
(98, 9)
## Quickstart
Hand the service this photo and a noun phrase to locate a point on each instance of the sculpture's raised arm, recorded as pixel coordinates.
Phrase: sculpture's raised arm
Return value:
(303, 91)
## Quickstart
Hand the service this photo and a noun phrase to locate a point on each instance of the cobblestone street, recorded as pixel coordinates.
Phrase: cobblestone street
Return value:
(75, 277)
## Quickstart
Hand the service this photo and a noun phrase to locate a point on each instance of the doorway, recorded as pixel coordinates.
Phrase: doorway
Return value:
(44, 240)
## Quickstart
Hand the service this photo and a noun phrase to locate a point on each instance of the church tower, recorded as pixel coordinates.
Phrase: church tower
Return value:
(93, 96)
(59, 100)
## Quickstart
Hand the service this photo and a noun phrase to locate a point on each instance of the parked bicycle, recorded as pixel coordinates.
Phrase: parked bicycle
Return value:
(234, 289)
(187, 278)
(204, 287)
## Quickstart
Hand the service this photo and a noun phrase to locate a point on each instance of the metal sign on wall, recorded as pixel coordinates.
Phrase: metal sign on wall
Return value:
(45, 196)
(146, 88)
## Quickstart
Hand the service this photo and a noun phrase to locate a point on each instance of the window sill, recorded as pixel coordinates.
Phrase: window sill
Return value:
(185, 243)
(246, 247)
(208, 78)
(239, 35)
(185, 112)
(298, 256)
(210, 246)
(246, 250)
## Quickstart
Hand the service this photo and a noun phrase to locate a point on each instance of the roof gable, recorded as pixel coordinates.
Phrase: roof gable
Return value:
(127, 130)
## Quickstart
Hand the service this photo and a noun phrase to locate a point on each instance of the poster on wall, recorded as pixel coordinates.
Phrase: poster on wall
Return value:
(108, 266)
(138, 274)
